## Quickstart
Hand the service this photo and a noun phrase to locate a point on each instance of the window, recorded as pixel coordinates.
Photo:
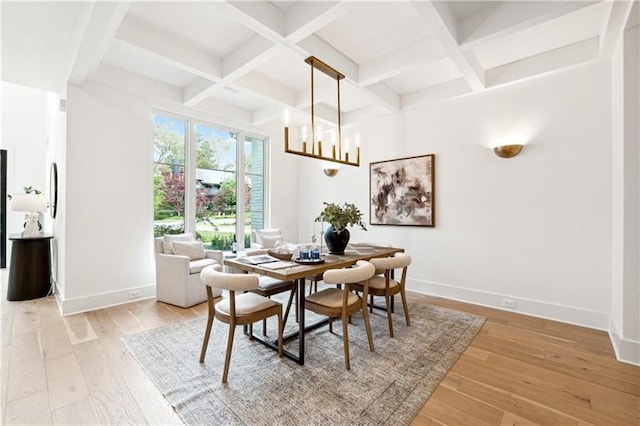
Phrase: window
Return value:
(213, 205)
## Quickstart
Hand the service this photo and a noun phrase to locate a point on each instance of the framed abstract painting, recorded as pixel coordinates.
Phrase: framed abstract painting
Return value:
(402, 191)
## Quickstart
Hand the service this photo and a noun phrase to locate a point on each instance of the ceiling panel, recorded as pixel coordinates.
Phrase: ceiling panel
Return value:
(141, 62)
(424, 75)
(373, 29)
(563, 31)
(199, 23)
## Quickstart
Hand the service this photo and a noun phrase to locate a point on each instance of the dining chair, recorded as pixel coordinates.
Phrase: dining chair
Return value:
(241, 309)
(385, 286)
(268, 287)
(342, 302)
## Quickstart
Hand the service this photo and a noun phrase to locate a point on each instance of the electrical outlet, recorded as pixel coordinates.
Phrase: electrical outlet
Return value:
(134, 294)
(509, 303)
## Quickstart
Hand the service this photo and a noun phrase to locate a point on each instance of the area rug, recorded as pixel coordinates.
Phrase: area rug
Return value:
(388, 386)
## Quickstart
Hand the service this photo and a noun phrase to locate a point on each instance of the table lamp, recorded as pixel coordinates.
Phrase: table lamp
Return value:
(33, 204)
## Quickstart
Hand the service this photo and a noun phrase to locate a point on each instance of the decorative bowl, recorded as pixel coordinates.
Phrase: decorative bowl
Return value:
(281, 256)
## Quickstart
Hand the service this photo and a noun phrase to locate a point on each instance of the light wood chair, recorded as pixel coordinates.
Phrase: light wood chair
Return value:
(241, 309)
(385, 286)
(342, 303)
(268, 287)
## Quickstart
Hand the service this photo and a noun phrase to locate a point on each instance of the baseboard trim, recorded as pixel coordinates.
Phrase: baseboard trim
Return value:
(626, 350)
(104, 300)
(535, 308)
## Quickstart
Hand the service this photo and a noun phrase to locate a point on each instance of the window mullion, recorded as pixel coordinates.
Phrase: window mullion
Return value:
(190, 179)
(240, 214)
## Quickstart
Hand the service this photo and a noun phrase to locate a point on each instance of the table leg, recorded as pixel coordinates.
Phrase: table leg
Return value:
(301, 299)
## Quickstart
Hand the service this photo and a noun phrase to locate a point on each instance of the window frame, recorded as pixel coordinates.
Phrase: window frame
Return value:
(190, 169)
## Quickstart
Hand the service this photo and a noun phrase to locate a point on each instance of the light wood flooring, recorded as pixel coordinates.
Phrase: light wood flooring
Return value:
(519, 370)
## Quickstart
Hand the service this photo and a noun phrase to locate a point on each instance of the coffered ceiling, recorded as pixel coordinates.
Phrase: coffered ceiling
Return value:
(245, 60)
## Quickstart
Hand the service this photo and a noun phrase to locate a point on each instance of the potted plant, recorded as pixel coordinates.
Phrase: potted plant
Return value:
(339, 217)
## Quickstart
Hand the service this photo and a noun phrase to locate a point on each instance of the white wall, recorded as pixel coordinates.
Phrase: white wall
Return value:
(535, 228)
(24, 136)
(625, 313)
(109, 195)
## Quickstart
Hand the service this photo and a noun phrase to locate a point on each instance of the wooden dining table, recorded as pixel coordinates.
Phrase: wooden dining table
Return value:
(298, 273)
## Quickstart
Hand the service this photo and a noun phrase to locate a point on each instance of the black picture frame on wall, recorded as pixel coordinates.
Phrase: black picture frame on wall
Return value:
(402, 191)
(53, 190)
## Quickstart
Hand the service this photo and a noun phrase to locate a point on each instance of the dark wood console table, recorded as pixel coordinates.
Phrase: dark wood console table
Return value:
(30, 269)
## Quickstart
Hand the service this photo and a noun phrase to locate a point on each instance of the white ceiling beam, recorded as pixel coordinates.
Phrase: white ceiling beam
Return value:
(118, 78)
(197, 91)
(438, 17)
(448, 90)
(223, 109)
(322, 50)
(615, 19)
(361, 114)
(511, 17)
(253, 53)
(385, 96)
(305, 18)
(174, 52)
(266, 114)
(545, 63)
(400, 61)
(269, 22)
(103, 22)
(267, 88)
(261, 17)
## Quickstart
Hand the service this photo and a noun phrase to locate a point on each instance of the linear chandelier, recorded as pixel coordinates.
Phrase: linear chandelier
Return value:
(316, 149)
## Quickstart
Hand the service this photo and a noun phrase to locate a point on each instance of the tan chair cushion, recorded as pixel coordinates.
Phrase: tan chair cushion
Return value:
(196, 266)
(268, 283)
(331, 298)
(246, 303)
(379, 282)
(194, 250)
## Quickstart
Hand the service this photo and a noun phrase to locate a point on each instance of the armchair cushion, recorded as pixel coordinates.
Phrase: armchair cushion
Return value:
(268, 241)
(168, 241)
(194, 250)
(196, 266)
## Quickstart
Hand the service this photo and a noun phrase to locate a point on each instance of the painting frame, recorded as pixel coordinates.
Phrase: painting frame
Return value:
(402, 191)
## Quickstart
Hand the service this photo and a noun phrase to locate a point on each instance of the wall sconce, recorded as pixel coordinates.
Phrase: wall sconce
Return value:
(507, 151)
(330, 172)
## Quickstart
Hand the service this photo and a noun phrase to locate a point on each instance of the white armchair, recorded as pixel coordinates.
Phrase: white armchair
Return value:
(179, 260)
(266, 238)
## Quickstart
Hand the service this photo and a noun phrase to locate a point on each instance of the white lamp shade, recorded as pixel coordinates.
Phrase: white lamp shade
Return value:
(28, 203)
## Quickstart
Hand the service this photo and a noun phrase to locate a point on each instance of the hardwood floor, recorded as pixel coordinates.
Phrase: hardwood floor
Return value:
(519, 370)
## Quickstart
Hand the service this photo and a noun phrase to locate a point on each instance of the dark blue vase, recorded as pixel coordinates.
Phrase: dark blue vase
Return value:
(336, 240)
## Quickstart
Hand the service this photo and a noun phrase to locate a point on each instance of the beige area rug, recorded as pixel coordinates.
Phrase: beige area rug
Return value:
(385, 387)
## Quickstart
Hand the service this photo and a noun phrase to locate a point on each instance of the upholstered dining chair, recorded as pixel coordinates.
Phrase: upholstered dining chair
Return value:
(268, 287)
(342, 302)
(385, 286)
(241, 309)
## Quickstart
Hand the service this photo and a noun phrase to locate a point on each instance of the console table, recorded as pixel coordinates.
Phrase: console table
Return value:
(30, 269)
